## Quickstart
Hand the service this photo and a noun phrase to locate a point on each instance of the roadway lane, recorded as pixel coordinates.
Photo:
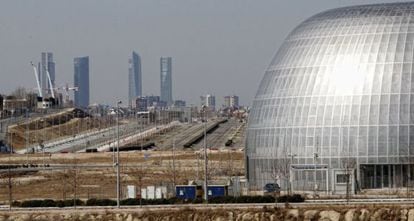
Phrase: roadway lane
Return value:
(137, 208)
(89, 139)
(218, 137)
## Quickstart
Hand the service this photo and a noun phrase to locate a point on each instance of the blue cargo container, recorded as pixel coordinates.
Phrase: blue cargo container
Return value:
(186, 191)
(217, 190)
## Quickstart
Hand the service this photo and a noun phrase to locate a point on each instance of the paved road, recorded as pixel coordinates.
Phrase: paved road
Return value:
(89, 139)
(181, 135)
(137, 208)
(219, 136)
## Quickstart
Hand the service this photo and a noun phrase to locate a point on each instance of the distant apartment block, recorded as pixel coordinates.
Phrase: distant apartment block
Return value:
(209, 101)
(231, 101)
(179, 103)
(153, 100)
(142, 103)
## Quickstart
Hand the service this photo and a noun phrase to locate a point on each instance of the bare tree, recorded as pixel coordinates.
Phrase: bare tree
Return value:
(72, 180)
(409, 178)
(275, 177)
(348, 164)
(138, 174)
(281, 172)
(6, 179)
(10, 185)
(19, 93)
(62, 178)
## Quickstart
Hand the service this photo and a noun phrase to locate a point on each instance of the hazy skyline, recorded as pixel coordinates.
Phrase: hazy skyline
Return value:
(217, 47)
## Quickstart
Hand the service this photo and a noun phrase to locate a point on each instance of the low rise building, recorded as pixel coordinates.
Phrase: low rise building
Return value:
(142, 104)
(209, 101)
(179, 103)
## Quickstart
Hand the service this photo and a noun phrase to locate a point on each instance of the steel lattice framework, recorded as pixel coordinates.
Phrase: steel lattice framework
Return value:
(340, 86)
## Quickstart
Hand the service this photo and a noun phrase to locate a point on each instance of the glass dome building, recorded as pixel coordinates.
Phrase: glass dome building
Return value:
(336, 102)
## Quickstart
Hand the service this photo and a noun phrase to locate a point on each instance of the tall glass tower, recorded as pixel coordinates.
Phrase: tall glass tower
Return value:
(166, 79)
(134, 78)
(81, 80)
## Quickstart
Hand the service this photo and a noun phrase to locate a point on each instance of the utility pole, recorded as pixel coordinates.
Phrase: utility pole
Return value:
(117, 157)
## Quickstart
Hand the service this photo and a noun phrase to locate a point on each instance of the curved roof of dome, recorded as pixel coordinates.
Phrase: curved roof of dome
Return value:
(341, 84)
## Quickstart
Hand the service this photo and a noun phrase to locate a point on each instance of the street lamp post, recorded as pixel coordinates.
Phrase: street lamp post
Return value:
(173, 163)
(113, 149)
(117, 156)
(292, 156)
(205, 155)
(27, 135)
(315, 188)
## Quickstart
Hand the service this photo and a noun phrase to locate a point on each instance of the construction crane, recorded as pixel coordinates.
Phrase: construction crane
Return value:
(66, 88)
(50, 84)
(37, 80)
(45, 102)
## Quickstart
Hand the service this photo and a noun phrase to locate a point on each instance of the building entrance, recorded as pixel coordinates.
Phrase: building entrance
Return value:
(386, 175)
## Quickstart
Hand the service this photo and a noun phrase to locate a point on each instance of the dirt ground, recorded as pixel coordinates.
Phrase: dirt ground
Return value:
(95, 177)
(52, 126)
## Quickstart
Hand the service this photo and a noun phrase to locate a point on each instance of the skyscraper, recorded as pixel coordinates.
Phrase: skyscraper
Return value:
(81, 80)
(134, 78)
(166, 80)
(46, 64)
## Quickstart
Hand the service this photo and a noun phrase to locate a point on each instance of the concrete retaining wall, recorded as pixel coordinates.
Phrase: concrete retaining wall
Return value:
(337, 213)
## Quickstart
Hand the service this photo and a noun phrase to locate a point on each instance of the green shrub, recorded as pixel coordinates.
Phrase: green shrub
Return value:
(296, 198)
(60, 203)
(70, 203)
(16, 204)
(221, 199)
(100, 202)
(197, 201)
(148, 201)
(256, 199)
(130, 201)
(48, 203)
(32, 203)
(91, 202)
(174, 200)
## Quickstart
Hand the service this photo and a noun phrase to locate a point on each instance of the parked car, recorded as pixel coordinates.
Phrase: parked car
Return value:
(271, 187)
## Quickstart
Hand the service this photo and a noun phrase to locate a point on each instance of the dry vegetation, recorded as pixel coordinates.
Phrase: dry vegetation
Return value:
(63, 124)
(99, 182)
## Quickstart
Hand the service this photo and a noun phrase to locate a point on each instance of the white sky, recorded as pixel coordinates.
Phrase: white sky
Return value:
(218, 46)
